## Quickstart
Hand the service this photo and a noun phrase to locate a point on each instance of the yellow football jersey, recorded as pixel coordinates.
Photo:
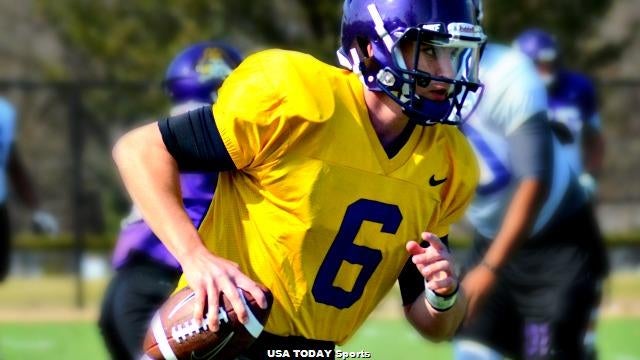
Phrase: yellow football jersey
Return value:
(316, 211)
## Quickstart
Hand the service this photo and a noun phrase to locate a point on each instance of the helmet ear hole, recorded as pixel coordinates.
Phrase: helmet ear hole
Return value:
(363, 46)
(368, 62)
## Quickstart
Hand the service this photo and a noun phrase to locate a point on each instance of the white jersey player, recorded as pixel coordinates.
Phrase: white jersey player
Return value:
(573, 108)
(536, 243)
(513, 98)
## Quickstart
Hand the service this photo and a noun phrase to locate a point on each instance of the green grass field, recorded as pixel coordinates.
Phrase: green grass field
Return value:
(384, 339)
(37, 321)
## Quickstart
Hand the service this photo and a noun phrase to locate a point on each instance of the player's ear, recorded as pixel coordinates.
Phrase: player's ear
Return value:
(369, 50)
(365, 51)
(363, 47)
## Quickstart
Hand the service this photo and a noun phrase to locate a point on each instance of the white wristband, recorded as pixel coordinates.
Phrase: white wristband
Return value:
(439, 302)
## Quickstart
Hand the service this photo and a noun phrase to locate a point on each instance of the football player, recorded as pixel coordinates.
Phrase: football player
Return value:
(574, 117)
(572, 106)
(146, 272)
(537, 247)
(13, 171)
(329, 178)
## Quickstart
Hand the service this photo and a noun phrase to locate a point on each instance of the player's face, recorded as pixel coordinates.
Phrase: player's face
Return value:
(435, 60)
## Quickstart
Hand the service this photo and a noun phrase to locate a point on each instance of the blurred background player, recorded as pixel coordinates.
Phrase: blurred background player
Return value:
(537, 247)
(572, 106)
(14, 172)
(574, 118)
(146, 273)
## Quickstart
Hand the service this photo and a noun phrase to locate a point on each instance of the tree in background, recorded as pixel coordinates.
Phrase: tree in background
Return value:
(134, 40)
(574, 22)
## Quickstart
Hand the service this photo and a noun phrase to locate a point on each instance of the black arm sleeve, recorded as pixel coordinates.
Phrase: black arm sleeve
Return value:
(193, 140)
(532, 149)
(411, 281)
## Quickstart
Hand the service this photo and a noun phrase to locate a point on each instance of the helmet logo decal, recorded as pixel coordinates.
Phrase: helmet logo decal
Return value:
(212, 65)
(464, 29)
(437, 27)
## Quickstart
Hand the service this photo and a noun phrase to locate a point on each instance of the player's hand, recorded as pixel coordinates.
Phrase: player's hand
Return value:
(44, 222)
(477, 285)
(435, 263)
(209, 275)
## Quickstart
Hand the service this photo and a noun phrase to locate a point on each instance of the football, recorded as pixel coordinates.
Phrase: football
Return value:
(174, 334)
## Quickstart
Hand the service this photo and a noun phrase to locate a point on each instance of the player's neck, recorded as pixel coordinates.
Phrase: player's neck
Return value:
(386, 117)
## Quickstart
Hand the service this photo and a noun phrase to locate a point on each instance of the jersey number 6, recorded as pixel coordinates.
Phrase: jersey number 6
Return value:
(343, 249)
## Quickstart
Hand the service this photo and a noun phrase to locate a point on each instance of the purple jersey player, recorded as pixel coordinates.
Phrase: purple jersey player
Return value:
(572, 106)
(136, 238)
(146, 273)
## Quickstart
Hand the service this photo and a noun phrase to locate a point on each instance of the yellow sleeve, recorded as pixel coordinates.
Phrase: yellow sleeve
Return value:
(248, 114)
(465, 176)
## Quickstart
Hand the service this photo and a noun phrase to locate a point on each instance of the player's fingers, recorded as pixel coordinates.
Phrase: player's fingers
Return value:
(230, 289)
(213, 296)
(252, 288)
(434, 241)
(446, 285)
(414, 248)
(427, 258)
(431, 270)
(198, 303)
(432, 255)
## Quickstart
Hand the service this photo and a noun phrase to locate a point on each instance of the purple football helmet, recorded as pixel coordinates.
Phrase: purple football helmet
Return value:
(542, 48)
(444, 27)
(196, 73)
(538, 45)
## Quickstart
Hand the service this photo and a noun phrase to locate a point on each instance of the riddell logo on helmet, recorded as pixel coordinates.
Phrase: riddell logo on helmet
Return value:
(462, 28)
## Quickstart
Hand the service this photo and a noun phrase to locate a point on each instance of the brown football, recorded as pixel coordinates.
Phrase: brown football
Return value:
(174, 334)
